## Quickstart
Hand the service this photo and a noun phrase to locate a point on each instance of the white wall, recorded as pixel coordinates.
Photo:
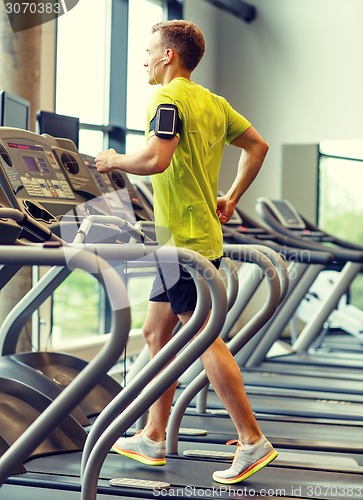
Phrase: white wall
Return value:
(296, 73)
(206, 17)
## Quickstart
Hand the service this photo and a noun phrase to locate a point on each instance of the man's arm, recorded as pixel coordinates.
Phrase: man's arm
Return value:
(254, 149)
(153, 159)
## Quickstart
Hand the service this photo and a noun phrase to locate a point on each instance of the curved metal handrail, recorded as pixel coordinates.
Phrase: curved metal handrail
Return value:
(249, 330)
(279, 264)
(149, 370)
(87, 378)
(154, 389)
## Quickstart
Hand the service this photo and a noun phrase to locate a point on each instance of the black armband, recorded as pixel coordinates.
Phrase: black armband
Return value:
(166, 123)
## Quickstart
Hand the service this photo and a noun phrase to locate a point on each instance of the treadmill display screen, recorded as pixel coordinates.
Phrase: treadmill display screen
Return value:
(28, 147)
(287, 214)
(35, 164)
(30, 164)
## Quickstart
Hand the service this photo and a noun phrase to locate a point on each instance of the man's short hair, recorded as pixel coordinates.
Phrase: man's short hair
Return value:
(185, 38)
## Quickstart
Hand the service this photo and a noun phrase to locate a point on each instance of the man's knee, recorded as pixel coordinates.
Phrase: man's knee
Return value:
(156, 338)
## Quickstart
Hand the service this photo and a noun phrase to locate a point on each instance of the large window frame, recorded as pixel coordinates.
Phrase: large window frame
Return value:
(116, 132)
(339, 198)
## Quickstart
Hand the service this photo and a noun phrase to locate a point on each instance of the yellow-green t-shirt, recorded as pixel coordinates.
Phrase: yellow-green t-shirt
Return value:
(185, 194)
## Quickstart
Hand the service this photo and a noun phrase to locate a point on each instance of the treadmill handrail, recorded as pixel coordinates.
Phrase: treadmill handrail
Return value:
(156, 385)
(29, 224)
(333, 238)
(88, 378)
(151, 369)
(233, 294)
(12, 325)
(282, 244)
(301, 280)
(248, 331)
(275, 258)
(232, 280)
(280, 268)
(108, 219)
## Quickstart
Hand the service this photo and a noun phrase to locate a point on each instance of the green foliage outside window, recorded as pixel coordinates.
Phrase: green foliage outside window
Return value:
(341, 207)
(76, 307)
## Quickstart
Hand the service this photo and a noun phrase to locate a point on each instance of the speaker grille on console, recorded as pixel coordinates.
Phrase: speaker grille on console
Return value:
(70, 163)
(5, 156)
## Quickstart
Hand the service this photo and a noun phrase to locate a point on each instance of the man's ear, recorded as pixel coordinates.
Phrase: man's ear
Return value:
(169, 55)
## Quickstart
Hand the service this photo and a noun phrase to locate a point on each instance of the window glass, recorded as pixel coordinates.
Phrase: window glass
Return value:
(82, 90)
(91, 142)
(82, 84)
(76, 308)
(143, 14)
(134, 142)
(341, 202)
(83, 61)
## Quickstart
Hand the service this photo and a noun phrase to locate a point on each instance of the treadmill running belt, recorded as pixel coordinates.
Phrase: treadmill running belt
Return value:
(189, 477)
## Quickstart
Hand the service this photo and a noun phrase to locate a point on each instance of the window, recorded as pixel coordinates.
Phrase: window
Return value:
(76, 310)
(82, 82)
(138, 90)
(340, 197)
(101, 79)
(83, 68)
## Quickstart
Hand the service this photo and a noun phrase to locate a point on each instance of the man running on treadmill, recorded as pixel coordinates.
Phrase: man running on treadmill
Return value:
(187, 128)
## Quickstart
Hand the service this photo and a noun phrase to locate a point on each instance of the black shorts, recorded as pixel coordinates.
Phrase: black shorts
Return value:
(182, 294)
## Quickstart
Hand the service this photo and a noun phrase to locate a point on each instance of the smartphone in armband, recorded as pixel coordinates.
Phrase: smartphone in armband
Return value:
(166, 123)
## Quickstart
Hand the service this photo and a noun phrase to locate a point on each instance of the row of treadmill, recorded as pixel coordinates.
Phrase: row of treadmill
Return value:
(60, 415)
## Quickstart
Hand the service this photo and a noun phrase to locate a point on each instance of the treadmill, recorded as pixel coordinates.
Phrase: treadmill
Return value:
(306, 397)
(262, 343)
(60, 396)
(281, 215)
(176, 484)
(48, 191)
(180, 466)
(243, 226)
(51, 472)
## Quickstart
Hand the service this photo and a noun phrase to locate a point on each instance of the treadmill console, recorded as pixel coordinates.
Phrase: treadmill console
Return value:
(285, 213)
(42, 176)
(120, 195)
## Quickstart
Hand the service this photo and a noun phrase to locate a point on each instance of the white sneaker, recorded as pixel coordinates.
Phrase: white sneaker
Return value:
(248, 459)
(141, 448)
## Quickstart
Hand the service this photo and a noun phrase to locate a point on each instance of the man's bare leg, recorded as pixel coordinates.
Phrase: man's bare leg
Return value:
(222, 370)
(158, 328)
(253, 451)
(225, 377)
